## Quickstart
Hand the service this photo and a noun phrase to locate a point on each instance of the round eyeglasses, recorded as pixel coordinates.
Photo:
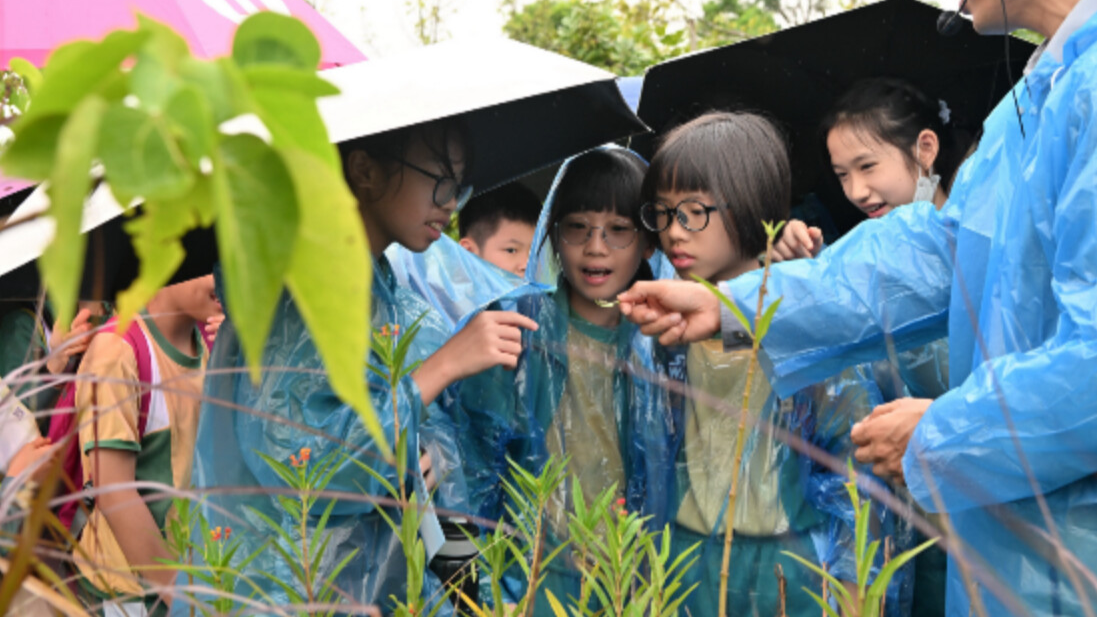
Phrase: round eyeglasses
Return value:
(691, 214)
(577, 232)
(446, 188)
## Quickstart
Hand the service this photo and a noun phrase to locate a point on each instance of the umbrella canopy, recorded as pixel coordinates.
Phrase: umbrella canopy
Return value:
(32, 30)
(525, 108)
(794, 76)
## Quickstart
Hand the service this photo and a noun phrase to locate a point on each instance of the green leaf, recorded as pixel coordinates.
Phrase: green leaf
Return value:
(78, 69)
(62, 262)
(827, 610)
(727, 302)
(767, 317)
(270, 38)
(257, 229)
(286, 79)
(883, 579)
(32, 77)
(333, 301)
(293, 121)
(31, 154)
(189, 116)
(140, 156)
(157, 240)
(221, 85)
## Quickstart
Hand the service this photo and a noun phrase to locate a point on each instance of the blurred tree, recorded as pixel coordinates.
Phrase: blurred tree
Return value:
(625, 36)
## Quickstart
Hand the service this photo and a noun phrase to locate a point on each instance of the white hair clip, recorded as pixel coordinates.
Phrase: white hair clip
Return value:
(945, 113)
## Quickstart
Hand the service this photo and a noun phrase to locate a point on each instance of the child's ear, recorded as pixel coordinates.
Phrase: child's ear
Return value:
(927, 149)
(365, 175)
(470, 245)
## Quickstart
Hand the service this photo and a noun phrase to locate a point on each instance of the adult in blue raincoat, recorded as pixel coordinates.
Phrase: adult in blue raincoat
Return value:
(582, 387)
(407, 183)
(1008, 269)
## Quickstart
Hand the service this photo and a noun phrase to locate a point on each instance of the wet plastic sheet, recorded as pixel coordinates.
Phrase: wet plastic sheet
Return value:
(1010, 266)
(294, 407)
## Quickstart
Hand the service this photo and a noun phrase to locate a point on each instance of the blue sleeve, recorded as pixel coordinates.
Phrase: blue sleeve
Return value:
(887, 279)
(1048, 391)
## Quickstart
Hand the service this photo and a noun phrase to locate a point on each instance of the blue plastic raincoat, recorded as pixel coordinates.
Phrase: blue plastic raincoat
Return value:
(1008, 270)
(579, 390)
(786, 502)
(295, 407)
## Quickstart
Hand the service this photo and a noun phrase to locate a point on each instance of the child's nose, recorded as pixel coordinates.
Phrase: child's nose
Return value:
(859, 191)
(596, 243)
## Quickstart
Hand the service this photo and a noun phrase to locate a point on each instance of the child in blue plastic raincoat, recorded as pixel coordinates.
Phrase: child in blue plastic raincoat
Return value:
(581, 389)
(407, 183)
(1008, 268)
(890, 145)
(707, 202)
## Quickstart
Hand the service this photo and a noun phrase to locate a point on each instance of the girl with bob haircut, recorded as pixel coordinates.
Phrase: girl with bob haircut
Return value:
(711, 185)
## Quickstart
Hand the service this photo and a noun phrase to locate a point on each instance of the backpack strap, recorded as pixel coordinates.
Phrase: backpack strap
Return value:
(142, 351)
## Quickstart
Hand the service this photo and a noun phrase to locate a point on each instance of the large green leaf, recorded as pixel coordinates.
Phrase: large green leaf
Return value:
(329, 277)
(80, 68)
(70, 180)
(157, 238)
(140, 156)
(270, 38)
(294, 122)
(32, 154)
(256, 232)
(221, 84)
(189, 117)
(32, 77)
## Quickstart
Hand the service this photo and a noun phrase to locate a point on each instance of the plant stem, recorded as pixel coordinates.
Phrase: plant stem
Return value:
(535, 569)
(306, 564)
(394, 386)
(729, 515)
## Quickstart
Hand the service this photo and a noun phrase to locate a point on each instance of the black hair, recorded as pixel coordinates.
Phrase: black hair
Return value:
(603, 180)
(481, 217)
(740, 159)
(391, 147)
(895, 112)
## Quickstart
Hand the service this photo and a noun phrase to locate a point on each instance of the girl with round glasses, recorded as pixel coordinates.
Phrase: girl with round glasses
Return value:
(577, 388)
(707, 201)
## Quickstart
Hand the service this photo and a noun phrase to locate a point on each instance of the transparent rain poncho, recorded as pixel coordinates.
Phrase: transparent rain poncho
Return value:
(294, 407)
(785, 502)
(1008, 269)
(456, 282)
(580, 391)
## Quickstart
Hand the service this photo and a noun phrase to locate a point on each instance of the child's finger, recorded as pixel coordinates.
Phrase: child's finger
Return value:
(659, 325)
(81, 319)
(510, 348)
(510, 318)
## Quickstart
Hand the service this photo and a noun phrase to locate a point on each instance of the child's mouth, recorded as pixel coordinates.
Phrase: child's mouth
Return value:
(875, 210)
(596, 276)
(437, 228)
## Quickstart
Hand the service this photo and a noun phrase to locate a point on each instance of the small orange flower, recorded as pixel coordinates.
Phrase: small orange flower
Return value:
(396, 330)
(228, 531)
(621, 501)
(623, 513)
(215, 533)
(385, 330)
(305, 453)
(293, 460)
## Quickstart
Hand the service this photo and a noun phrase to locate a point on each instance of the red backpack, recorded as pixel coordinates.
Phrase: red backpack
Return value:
(64, 427)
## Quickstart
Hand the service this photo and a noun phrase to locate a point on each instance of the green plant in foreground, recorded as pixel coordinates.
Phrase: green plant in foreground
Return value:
(156, 122)
(869, 598)
(757, 333)
(301, 550)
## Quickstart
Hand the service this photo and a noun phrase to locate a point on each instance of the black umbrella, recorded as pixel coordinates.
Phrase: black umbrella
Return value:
(525, 108)
(795, 75)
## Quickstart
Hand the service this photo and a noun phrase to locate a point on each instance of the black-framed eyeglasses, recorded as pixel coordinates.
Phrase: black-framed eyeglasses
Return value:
(577, 231)
(693, 215)
(446, 188)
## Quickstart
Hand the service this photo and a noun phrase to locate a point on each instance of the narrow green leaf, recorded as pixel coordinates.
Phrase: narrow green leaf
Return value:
(728, 303)
(62, 262)
(879, 586)
(333, 301)
(256, 234)
(767, 317)
(271, 38)
(830, 612)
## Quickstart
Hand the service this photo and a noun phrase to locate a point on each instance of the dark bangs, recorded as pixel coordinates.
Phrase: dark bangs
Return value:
(738, 158)
(607, 180)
